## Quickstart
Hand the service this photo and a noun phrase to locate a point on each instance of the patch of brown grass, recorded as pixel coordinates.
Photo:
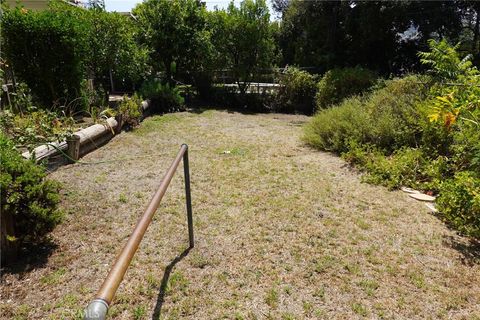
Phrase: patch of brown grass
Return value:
(282, 231)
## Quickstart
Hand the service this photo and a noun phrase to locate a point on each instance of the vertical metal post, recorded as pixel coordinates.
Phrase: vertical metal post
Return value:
(188, 196)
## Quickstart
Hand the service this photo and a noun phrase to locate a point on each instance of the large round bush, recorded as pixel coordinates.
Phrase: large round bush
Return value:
(297, 92)
(338, 84)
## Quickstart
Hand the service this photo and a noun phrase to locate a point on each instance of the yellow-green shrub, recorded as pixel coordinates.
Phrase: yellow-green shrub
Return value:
(387, 118)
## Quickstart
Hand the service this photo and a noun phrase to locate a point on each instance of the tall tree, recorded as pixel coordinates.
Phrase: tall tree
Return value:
(244, 39)
(176, 32)
(382, 35)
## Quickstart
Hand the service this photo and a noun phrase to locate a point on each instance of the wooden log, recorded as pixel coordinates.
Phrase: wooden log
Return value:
(95, 136)
(92, 133)
(73, 149)
(85, 140)
(45, 151)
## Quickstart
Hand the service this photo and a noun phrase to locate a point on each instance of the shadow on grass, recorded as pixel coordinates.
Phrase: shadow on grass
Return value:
(469, 249)
(201, 108)
(163, 286)
(29, 258)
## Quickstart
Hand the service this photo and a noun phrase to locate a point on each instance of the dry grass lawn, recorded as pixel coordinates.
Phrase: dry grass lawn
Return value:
(282, 232)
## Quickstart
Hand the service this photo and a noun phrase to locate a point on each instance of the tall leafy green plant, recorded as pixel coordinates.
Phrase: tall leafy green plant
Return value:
(176, 32)
(245, 40)
(444, 61)
(46, 50)
(114, 59)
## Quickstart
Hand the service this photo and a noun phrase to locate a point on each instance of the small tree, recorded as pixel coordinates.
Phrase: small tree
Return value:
(176, 33)
(246, 41)
(112, 50)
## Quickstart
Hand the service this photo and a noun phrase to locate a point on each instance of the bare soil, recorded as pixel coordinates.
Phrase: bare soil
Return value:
(282, 232)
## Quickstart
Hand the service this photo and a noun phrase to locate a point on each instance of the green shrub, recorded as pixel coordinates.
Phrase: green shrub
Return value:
(396, 113)
(405, 167)
(130, 110)
(338, 84)
(418, 132)
(297, 92)
(165, 98)
(459, 202)
(386, 118)
(46, 51)
(29, 201)
(335, 128)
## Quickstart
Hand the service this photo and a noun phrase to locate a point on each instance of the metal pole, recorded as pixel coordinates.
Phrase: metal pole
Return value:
(98, 308)
(188, 196)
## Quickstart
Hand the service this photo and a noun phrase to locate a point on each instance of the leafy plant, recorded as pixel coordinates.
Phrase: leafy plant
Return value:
(459, 202)
(175, 31)
(444, 60)
(165, 98)
(35, 127)
(416, 132)
(29, 201)
(130, 110)
(46, 50)
(386, 118)
(338, 84)
(243, 39)
(297, 91)
(114, 59)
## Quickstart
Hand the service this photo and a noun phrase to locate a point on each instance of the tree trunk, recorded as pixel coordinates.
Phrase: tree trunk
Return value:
(9, 248)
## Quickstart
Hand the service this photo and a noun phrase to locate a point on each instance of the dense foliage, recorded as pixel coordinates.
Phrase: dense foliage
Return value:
(175, 31)
(297, 91)
(338, 84)
(381, 35)
(164, 97)
(46, 50)
(417, 132)
(243, 39)
(114, 59)
(28, 200)
(55, 51)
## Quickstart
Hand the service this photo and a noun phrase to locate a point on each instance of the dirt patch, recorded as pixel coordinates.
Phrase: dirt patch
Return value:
(282, 232)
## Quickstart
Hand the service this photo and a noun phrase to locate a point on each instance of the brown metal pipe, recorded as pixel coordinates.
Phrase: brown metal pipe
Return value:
(115, 276)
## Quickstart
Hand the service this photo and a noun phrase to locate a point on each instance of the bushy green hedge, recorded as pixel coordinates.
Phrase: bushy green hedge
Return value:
(46, 51)
(297, 92)
(338, 84)
(56, 50)
(29, 201)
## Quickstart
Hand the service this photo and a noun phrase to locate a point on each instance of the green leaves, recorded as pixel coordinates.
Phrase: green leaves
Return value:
(26, 195)
(175, 32)
(46, 50)
(445, 61)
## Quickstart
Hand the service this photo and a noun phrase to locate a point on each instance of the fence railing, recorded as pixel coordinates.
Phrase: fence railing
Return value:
(98, 308)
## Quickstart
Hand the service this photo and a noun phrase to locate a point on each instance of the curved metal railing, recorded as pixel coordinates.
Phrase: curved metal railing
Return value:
(98, 307)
